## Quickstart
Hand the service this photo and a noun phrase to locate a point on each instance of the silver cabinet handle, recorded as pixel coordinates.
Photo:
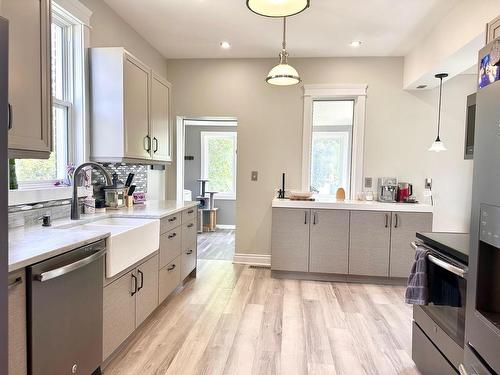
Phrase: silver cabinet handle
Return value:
(190, 225)
(170, 236)
(134, 287)
(52, 274)
(16, 282)
(171, 268)
(396, 222)
(387, 220)
(189, 252)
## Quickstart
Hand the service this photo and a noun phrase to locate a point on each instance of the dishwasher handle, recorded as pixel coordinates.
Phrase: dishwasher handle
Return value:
(60, 271)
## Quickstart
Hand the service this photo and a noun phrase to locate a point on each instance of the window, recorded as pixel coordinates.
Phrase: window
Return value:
(333, 138)
(67, 103)
(218, 163)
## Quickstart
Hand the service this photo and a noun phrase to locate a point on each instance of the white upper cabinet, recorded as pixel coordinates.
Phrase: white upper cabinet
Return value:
(29, 77)
(130, 109)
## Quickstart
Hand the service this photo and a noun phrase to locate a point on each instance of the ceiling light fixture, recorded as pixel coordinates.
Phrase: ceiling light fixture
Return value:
(283, 74)
(277, 8)
(438, 145)
(355, 43)
(225, 45)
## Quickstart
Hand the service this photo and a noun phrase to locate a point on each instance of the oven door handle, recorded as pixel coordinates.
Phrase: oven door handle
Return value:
(447, 266)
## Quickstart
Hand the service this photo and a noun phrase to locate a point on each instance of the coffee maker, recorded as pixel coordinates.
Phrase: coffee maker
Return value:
(387, 189)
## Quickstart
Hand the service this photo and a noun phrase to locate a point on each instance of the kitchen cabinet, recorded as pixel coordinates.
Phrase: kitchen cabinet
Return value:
(130, 109)
(169, 279)
(119, 304)
(404, 227)
(17, 323)
(492, 30)
(128, 301)
(189, 248)
(170, 246)
(147, 289)
(290, 239)
(30, 135)
(329, 242)
(160, 118)
(370, 236)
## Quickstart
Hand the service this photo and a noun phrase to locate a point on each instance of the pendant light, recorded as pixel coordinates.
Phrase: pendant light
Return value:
(277, 8)
(283, 74)
(438, 145)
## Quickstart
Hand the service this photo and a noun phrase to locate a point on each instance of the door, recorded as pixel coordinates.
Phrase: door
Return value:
(136, 106)
(160, 118)
(17, 324)
(118, 312)
(147, 289)
(290, 239)
(369, 243)
(29, 76)
(329, 249)
(404, 227)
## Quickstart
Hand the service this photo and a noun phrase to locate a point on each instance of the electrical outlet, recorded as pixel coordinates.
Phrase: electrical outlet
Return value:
(428, 183)
(255, 176)
(368, 182)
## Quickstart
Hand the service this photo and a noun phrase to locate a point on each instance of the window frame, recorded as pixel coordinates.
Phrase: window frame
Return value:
(204, 137)
(355, 92)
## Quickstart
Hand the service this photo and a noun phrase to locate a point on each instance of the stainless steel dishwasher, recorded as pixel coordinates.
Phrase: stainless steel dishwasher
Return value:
(65, 312)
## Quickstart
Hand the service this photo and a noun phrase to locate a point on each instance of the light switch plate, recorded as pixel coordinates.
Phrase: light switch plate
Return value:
(428, 183)
(368, 182)
(255, 176)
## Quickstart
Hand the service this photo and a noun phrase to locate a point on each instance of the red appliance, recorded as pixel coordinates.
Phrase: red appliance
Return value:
(405, 190)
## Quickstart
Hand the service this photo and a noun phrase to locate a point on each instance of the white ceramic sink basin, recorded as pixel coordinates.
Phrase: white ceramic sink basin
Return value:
(131, 240)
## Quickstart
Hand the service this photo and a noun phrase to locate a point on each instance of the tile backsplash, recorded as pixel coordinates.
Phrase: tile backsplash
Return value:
(30, 215)
(140, 172)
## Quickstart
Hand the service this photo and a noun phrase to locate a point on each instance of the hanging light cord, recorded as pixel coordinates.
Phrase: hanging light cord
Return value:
(284, 34)
(439, 106)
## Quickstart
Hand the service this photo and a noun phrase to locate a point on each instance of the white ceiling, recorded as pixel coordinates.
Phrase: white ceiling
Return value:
(194, 28)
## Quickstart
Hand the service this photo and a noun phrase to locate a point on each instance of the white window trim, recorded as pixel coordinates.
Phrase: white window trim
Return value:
(356, 92)
(208, 134)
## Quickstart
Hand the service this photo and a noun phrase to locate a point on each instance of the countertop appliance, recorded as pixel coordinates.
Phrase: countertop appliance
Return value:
(405, 191)
(439, 327)
(387, 189)
(482, 352)
(65, 312)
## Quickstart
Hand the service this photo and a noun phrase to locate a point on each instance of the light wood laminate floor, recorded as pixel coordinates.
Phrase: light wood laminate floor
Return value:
(218, 245)
(235, 319)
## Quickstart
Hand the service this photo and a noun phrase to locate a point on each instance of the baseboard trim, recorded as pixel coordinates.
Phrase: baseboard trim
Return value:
(338, 278)
(226, 226)
(252, 259)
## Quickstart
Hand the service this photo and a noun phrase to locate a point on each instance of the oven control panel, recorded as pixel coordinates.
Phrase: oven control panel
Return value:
(490, 225)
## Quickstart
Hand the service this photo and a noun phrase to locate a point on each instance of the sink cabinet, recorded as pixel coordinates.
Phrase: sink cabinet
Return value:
(30, 135)
(17, 323)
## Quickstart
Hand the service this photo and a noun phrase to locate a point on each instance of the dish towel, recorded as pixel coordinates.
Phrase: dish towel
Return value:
(417, 289)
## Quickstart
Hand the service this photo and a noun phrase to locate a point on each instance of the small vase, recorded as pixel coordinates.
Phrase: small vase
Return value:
(12, 175)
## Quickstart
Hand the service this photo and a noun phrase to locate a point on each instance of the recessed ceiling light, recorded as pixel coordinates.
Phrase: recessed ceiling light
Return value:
(225, 45)
(355, 43)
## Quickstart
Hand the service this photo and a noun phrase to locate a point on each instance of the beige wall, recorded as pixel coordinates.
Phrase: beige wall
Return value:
(400, 126)
(110, 30)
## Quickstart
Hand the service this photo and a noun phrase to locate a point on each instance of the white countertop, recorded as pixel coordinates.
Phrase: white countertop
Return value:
(34, 244)
(353, 205)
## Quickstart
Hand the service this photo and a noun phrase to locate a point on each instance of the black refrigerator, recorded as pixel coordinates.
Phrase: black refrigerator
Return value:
(482, 349)
(4, 123)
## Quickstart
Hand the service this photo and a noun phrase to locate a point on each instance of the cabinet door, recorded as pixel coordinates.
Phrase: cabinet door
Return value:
(169, 278)
(188, 260)
(404, 227)
(119, 312)
(290, 239)
(189, 234)
(370, 233)
(17, 324)
(329, 246)
(29, 77)
(136, 106)
(160, 118)
(147, 289)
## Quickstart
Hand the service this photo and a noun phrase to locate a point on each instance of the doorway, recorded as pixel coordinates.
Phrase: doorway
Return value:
(206, 172)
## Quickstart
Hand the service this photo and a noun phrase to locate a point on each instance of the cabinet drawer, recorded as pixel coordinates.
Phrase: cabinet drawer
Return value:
(170, 222)
(17, 323)
(189, 233)
(189, 214)
(169, 278)
(170, 246)
(188, 261)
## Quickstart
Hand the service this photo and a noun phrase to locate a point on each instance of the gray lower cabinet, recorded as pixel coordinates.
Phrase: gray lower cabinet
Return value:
(17, 323)
(370, 235)
(290, 239)
(189, 248)
(329, 242)
(169, 278)
(119, 312)
(170, 246)
(404, 227)
(147, 289)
